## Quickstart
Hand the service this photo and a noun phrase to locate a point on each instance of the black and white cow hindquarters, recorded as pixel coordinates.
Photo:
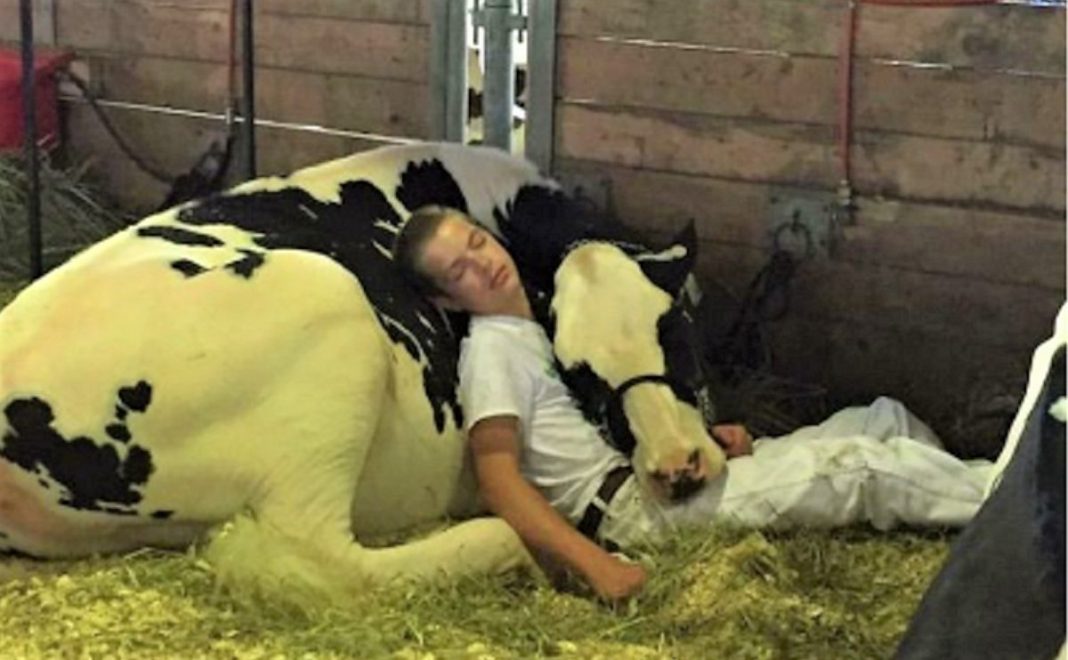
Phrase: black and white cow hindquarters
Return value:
(1001, 593)
(250, 359)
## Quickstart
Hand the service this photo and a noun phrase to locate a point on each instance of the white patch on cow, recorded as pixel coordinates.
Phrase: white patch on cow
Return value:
(382, 250)
(1041, 360)
(392, 323)
(673, 253)
(1059, 410)
(607, 313)
(619, 307)
(425, 321)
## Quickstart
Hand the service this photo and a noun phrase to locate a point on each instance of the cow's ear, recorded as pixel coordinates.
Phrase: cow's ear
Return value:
(669, 268)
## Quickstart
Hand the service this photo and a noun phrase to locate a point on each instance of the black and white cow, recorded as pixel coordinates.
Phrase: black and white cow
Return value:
(1001, 593)
(253, 362)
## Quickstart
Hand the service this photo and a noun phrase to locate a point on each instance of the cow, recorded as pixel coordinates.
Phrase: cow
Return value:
(1001, 593)
(250, 371)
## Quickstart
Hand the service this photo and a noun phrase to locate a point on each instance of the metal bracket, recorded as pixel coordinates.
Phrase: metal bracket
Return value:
(802, 221)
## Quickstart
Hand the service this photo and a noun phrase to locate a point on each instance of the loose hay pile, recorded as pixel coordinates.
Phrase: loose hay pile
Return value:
(73, 214)
(846, 594)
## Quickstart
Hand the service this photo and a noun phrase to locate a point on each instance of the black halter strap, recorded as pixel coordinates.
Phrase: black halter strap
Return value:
(638, 380)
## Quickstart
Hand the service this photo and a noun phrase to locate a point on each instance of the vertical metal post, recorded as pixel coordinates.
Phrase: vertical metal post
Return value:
(248, 100)
(499, 81)
(541, 83)
(29, 116)
(448, 70)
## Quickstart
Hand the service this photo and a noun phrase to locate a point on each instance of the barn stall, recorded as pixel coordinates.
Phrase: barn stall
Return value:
(910, 159)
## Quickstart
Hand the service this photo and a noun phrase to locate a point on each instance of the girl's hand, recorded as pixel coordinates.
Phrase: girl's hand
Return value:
(734, 438)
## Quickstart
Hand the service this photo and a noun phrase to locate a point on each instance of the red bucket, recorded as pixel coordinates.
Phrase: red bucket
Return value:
(44, 84)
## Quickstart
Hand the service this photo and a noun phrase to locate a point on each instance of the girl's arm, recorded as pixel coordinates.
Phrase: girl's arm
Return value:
(495, 445)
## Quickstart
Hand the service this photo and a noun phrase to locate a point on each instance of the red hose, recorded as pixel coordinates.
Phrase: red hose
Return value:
(845, 70)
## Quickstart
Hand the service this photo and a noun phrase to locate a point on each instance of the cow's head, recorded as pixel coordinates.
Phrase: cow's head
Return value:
(630, 351)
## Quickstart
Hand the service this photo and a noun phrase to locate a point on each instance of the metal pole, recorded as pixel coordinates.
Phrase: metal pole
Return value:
(448, 71)
(499, 80)
(541, 85)
(29, 116)
(248, 101)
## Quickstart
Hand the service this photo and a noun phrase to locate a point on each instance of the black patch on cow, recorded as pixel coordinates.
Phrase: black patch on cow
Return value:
(180, 236)
(357, 232)
(246, 265)
(428, 182)
(118, 432)
(162, 514)
(96, 476)
(1001, 592)
(187, 267)
(136, 398)
(120, 413)
(541, 225)
(43, 484)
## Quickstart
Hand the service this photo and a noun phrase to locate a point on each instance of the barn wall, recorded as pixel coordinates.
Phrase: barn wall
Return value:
(354, 65)
(954, 264)
(948, 274)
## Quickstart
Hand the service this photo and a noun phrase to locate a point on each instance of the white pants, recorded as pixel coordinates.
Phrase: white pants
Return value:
(877, 464)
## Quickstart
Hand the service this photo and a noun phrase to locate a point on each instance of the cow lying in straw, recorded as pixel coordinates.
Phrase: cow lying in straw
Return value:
(254, 361)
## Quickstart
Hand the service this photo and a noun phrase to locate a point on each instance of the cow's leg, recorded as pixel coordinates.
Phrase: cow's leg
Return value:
(326, 564)
(297, 541)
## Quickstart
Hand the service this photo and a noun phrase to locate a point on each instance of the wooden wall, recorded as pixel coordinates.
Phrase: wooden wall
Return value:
(355, 65)
(954, 264)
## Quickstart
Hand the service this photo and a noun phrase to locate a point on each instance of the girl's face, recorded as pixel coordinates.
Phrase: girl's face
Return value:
(473, 269)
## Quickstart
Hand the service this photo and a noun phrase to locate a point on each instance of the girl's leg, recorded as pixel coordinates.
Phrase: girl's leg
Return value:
(884, 418)
(837, 481)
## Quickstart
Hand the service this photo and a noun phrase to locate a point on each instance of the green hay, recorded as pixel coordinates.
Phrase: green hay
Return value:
(727, 593)
(74, 214)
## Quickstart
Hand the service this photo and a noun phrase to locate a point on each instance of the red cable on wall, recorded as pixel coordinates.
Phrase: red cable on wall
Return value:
(845, 77)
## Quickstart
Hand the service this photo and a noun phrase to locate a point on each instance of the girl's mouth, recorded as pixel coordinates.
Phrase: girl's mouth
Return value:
(499, 277)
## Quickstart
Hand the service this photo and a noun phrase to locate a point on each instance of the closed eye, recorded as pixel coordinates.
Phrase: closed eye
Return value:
(476, 239)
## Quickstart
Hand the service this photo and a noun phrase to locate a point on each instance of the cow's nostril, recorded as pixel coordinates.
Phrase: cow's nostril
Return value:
(686, 487)
(694, 459)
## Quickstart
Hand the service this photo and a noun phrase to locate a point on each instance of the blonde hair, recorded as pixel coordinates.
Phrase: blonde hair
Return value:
(411, 241)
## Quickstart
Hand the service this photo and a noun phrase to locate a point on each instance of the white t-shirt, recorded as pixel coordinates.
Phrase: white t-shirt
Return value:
(507, 368)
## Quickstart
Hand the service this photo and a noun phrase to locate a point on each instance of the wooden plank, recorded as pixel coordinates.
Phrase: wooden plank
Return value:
(392, 107)
(138, 27)
(142, 28)
(174, 143)
(989, 245)
(958, 308)
(901, 166)
(962, 104)
(376, 50)
(697, 144)
(9, 22)
(1018, 37)
(1007, 36)
(375, 11)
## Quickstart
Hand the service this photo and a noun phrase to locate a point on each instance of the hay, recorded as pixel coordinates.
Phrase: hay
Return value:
(74, 214)
(722, 594)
